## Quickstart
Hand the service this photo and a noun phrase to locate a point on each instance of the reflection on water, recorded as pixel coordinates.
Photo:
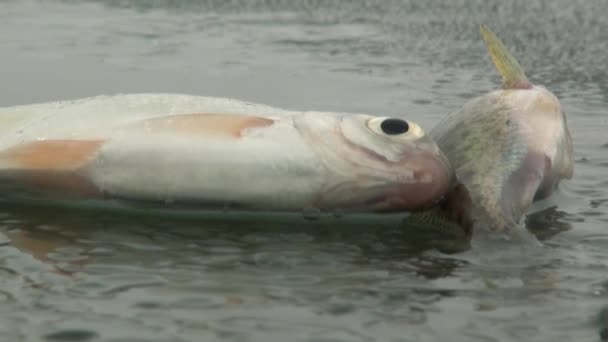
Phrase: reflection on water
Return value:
(73, 276)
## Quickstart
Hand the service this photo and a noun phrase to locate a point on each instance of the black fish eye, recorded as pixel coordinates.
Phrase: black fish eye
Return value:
(394, 126)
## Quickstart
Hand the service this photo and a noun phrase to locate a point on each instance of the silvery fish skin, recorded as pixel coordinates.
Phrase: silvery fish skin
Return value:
(509, 147)
(211, 152)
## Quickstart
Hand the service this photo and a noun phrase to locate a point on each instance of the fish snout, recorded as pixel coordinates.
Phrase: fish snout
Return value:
(430, 176)
(427, 144)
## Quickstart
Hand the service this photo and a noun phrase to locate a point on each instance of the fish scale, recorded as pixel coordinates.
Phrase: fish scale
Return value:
(489, 152)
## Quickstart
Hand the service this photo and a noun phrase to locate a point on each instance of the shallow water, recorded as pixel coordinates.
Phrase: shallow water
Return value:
(69, 276)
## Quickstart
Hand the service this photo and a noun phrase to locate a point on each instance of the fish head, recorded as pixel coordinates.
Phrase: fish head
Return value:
(541, 123)
(536, 111)
(380, 163)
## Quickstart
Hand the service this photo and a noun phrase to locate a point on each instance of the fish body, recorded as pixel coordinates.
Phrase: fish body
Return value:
(216, 152)
(509, 147)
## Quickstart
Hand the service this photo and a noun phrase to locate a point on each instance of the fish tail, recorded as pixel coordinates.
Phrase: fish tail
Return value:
(513, 75)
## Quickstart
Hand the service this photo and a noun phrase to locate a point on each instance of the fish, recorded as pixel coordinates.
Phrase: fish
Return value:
(510, 147)
(204, 152)
(447, 227)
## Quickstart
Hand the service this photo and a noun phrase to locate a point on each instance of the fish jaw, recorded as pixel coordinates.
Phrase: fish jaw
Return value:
(418, 181)
(432, 176)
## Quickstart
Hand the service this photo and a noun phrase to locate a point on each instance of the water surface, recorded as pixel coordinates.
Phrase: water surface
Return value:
(70, 276)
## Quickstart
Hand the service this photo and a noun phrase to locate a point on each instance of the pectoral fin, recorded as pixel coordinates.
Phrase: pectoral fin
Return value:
(49, 165)
(57, 155)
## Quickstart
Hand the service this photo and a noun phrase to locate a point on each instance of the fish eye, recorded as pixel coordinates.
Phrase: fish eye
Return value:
(394, 127)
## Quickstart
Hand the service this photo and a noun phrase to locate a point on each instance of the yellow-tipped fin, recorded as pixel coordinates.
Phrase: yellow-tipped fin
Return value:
(513, 76)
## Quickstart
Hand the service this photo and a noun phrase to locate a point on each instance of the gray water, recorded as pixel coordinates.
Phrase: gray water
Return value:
(72, 276)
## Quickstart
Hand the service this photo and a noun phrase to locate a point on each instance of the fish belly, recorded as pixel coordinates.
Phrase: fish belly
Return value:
(276, 170)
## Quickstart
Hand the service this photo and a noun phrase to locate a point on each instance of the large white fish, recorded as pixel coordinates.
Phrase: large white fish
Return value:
(211, 152)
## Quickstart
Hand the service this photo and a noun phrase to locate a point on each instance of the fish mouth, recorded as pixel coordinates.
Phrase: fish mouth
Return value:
(432, 176)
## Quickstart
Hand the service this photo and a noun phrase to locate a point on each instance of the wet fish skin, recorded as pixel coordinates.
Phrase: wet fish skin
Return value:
(448, 226)
(197, 150)
(509, 147)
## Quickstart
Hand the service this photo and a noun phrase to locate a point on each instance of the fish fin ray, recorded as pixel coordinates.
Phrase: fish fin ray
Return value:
(513, 75)
(55, 155)
(49, 166)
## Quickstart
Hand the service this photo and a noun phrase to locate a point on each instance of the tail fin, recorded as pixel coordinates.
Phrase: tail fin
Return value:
(513, 76)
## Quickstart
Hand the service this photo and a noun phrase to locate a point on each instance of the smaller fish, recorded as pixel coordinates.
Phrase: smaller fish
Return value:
(216, 153)
(509, 147)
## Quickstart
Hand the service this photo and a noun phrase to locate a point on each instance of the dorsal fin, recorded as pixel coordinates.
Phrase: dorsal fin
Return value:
(513, 76)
